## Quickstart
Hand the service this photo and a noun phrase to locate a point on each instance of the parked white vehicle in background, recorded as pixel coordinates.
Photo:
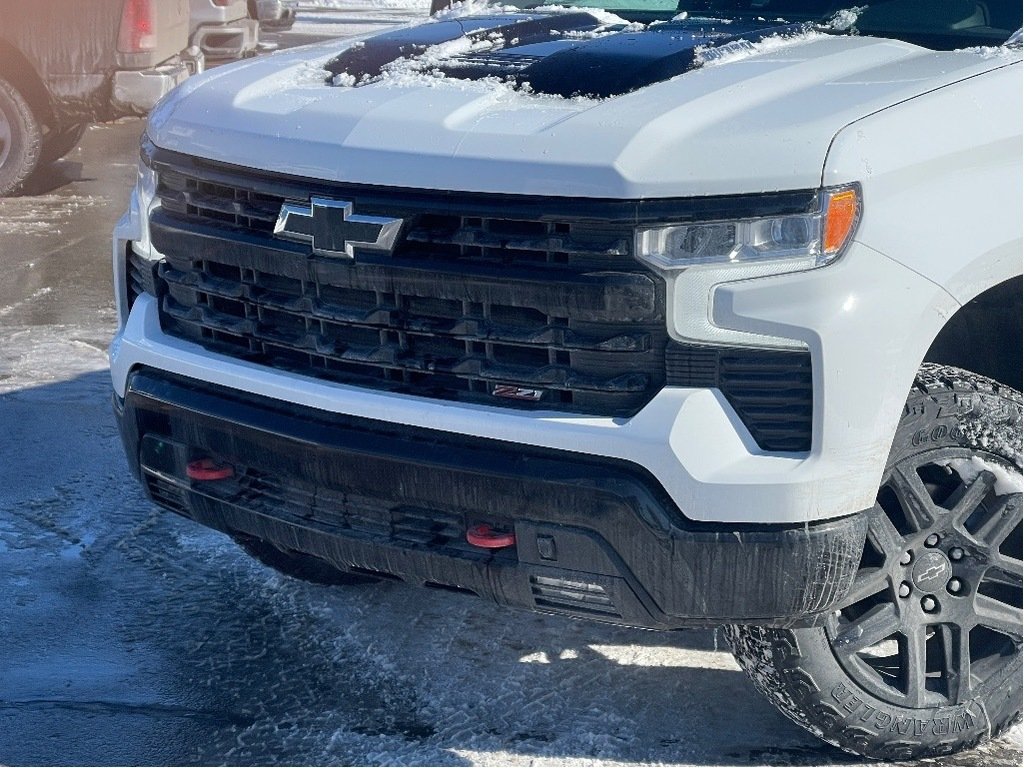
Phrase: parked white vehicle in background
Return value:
(222, 29)
(667, 314)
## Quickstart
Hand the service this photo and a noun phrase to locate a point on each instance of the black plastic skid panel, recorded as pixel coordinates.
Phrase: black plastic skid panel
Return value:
(596, 538)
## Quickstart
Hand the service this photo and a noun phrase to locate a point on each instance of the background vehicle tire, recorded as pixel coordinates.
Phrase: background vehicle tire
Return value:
(299, 565)
(59, 142)
(20, 138)
(924, 659)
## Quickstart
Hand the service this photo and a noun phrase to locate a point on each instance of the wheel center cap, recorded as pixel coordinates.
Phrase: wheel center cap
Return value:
(932, 570)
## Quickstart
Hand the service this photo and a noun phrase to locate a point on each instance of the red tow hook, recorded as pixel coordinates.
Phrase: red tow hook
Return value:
(205, 470)
(486, 537)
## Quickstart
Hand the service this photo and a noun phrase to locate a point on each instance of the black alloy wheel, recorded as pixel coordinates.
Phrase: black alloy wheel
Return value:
(935, 611)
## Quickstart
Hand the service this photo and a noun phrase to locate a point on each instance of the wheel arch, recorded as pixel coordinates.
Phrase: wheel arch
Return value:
(985, 335)
(18, 70)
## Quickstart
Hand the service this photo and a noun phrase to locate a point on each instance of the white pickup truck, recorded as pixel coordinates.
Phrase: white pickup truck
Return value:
(666, 314)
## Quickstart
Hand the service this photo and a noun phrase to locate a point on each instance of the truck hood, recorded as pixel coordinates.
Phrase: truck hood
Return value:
(561, 104)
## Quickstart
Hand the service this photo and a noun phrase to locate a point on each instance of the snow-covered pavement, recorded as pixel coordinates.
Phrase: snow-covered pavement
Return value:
(117, 618)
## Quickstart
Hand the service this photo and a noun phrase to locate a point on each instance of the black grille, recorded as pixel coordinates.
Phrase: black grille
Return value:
(529, 308)
(511, 301)
(771, 390)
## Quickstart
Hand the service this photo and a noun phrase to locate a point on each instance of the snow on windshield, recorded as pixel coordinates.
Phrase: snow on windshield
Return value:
(483, 8)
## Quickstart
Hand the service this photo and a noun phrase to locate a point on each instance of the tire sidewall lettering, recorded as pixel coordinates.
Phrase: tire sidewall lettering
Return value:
(854, 709)
(806, 678)
(941, 433)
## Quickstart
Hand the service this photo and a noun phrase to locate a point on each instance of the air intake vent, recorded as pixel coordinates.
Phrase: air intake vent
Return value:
(141, 274)
(771, 390)
(574, 597)
(165, 493)
(427, 526)
(335, 509)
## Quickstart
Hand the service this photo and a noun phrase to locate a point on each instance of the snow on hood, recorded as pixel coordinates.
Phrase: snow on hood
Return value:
(562, 103)
(559, 51)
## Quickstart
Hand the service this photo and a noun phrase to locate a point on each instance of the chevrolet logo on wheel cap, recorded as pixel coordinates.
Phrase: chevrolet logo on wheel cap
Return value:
(331, 228)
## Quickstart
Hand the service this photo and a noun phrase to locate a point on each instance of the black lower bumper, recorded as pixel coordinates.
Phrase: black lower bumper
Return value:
(595, 538)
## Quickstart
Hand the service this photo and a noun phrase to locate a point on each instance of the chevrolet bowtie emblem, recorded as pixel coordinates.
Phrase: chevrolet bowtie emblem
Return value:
(333, 230)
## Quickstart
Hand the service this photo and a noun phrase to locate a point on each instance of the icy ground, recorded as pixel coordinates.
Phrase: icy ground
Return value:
(129, 636)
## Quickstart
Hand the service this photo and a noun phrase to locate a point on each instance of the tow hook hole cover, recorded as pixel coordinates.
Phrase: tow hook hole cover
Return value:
(488, 538)
(205, 470)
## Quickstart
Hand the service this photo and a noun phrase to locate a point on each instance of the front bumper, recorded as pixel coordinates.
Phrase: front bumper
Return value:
(595, 538)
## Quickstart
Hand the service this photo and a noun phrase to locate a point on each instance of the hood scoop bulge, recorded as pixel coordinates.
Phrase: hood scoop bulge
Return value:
(562, 54)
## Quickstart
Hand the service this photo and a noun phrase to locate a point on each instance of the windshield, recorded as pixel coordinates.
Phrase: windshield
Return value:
(938, 24)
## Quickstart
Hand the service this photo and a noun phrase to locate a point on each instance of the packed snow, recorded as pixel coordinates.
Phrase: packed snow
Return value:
(1006, 482)
(36, 215)
(350, 5)
(738, 50)
(473, 8)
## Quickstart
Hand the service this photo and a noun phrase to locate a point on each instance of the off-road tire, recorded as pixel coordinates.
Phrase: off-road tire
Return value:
(940, 576)
(59, 142)
(20, 139)
(299, 565)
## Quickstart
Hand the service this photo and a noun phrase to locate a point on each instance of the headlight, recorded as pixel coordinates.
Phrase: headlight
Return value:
(140, 257)
(805, 240)
(144, 196)
(695, 257)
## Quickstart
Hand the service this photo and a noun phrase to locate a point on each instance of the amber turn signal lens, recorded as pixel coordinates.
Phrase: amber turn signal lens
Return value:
(841, 215)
